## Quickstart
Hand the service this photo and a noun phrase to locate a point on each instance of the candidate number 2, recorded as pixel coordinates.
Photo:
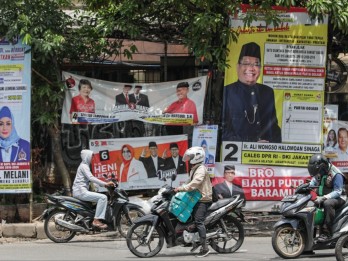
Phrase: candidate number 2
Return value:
(233, 150)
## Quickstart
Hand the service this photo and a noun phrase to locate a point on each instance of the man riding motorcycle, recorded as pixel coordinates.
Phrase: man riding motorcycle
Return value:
(200, 180)
(331, 192)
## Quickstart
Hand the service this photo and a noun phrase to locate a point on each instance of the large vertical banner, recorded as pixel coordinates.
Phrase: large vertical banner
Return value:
(274, 90)
(15, 98)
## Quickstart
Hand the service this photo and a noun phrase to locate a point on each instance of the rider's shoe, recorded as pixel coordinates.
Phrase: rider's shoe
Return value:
(324, 238)
(99, 225)
(203, 252)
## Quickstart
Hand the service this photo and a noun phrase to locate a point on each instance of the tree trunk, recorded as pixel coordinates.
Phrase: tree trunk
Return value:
(54, 134)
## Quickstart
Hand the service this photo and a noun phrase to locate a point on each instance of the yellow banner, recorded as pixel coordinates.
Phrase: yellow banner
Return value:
(275, 158)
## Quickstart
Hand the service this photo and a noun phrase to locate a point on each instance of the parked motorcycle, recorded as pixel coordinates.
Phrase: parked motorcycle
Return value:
(341, 249)
(299, 228)
(67, 215)
(225, 232)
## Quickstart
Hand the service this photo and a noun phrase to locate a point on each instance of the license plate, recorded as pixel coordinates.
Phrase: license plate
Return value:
(290, 198)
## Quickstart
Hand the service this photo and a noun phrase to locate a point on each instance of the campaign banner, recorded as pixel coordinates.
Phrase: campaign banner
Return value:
(336, 144)
(93, 101)
(15, 99)
(141, 163)
(278, 154)
(274, 86)
(330, 128)
(205, 136)
(262, 187)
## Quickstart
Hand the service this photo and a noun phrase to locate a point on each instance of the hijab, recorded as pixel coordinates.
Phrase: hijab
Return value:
(126, 163)
(13, 138)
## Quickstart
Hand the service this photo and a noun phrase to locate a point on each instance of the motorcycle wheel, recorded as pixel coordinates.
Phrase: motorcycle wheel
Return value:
(341, 249)
(136, 238)
(234, 235)
(124, 223)
(55, 232)
(288, 242)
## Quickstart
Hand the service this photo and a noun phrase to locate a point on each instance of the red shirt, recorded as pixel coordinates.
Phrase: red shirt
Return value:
(79, 105)
(184, 106)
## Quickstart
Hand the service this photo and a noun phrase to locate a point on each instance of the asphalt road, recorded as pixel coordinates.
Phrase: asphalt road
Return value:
(96, 247)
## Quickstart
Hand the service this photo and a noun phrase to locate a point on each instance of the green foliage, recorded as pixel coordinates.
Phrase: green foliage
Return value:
(97, 32)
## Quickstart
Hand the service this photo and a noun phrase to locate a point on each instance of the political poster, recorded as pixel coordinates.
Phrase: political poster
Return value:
(262, 187)
(274, 88)
(15, 99)
(205, 136)
(93, 101)
(141, 163)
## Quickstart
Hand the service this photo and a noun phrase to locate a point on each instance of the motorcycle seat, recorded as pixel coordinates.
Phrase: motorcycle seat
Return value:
(75, 200)
(220, 203)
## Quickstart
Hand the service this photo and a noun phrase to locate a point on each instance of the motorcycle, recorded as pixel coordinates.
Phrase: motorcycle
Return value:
(341, 249)
(67, 216)
(298, 230)
(225, 232)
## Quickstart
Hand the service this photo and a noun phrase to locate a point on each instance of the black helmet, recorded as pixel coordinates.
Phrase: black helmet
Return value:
(318, 164)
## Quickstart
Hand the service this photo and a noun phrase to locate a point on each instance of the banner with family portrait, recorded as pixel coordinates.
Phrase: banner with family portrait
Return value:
(93, 101)
(15, 99)
(141, 163)
(274, 87)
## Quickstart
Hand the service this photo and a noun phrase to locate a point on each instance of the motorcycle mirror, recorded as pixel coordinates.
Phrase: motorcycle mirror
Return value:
(173, 177)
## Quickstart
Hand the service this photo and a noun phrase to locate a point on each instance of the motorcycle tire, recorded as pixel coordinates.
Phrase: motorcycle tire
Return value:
(341, 249)
(55, 232)
(123, 223)
(288, 242)
(136, 238)
(234, 238)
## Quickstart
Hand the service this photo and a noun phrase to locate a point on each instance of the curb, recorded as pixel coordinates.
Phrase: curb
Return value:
(23, 230)
(36, 230)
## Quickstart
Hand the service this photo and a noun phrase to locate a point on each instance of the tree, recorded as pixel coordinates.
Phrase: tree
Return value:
(55, 38)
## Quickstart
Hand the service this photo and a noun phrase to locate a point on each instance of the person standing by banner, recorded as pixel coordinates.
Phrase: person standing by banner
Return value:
(249, 112)
(12, 147)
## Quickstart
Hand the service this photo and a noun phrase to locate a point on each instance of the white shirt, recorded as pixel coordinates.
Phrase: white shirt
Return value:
(155, 161)
(176, 161)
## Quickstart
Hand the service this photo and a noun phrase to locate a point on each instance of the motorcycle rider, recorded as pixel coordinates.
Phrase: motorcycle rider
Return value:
(81, 184)
(331, 192)
(199, 179)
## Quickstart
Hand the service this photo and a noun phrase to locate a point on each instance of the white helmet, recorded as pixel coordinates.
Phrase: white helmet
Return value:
(194, 155)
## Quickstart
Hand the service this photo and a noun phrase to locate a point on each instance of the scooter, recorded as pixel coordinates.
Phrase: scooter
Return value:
(298, 230)
(341, 249)
(67, 216)
(225, 232)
